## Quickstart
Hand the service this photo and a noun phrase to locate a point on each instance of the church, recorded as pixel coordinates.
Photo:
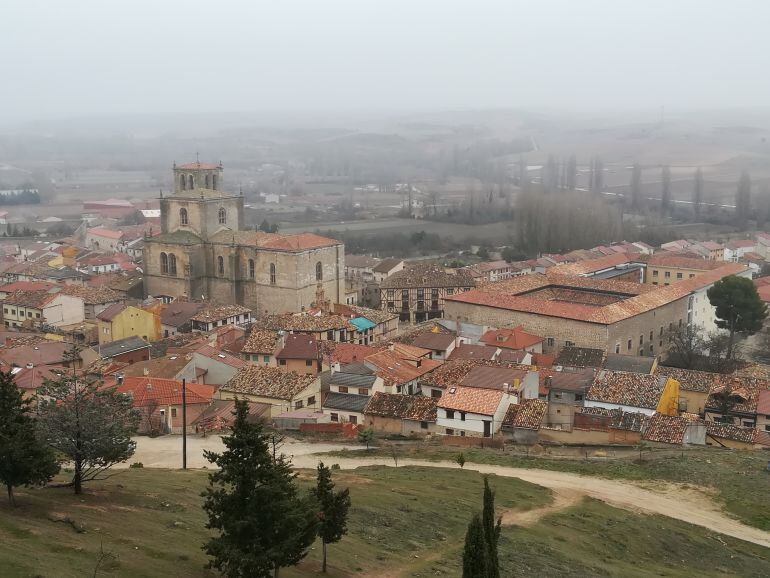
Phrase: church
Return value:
(204, 252)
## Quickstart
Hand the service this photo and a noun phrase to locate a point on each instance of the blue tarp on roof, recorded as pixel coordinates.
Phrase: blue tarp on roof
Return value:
(362, 323)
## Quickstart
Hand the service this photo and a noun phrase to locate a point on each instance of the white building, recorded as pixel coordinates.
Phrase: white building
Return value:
(471, 411)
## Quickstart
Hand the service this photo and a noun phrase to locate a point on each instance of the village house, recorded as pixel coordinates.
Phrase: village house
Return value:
(631, 363)
(566, 391)
(385, 323)
(441, 344)
(737, 249)
(214, 366)
(159, 402)
(515, 339)
(101, 239)
(763, 410)
(282, 391)
(522, 421)
(176, 317)
(734, 399)
(694, 387)
(728, 435)
(119, 321)
(49, 353)
(490, 271)
(300, 353)
(100, 264)
(471, 411)
(417, 294)
(350, 389)
(629, 392)
(127, 350)
(400, 372)
(95, 299)
(575, 358)
(408, 415)
(518, 382)
(470, 352)
(674, 429)
(261, 346)
(386, 268)
(215, 316)
(360, 267)
(176, 366)
(666, 268)
(322, 326)
(38, 308)
(615, 266)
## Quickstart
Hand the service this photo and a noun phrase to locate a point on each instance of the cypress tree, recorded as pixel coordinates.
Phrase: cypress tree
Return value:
(475, 553)
(333, 513)
(255, 505)
(491, 530)
(25, 459)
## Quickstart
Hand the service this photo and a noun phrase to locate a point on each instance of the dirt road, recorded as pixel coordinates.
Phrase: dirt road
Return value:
(689, 505)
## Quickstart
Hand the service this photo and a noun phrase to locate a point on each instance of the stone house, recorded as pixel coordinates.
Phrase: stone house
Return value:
(471, 411)
(283, 391)
(213, 316)
(38, 308)
(409, 415)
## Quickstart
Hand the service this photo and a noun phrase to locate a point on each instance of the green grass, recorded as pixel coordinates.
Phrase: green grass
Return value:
(408, 521)
(740, 478)
(150, 523)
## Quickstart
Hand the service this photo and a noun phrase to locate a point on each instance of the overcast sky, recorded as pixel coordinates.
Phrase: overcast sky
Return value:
(63, 58)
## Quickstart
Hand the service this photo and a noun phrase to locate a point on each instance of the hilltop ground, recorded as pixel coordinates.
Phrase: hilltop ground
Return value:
(408, 521)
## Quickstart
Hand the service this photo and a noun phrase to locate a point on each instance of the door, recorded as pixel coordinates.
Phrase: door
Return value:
(487, 429)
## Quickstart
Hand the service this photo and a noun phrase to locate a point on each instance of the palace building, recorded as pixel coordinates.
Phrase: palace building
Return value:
(205, 253)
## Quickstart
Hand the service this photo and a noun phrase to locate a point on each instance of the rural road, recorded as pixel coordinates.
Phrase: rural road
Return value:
(689, 505)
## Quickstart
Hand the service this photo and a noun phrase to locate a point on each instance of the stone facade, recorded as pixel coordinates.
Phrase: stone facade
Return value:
(203, 252)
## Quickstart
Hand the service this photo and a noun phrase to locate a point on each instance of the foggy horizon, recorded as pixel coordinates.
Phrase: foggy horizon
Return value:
(89, 59)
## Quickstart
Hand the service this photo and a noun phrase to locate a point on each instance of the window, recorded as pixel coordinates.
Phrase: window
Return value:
(363, 391)
(37, 315)
(641, 339)
(569, 343)
(298, 404)
(450, 432)
(678, 275)
(266, 358)
(334, 417)
(252, 272)
(272, 273)
(692, 275)
(450, 414)
(222, 216)
(163, 264)
(308, 363)
(214, 181)
(629, 345)
(652, 334)
(667, 275)
(551, 341)
(29, 313)
(654, 282)
(221, 266)
(424, 425)
(173, 412)
(655, 273)
(182, 216)
(353, 419)
(183, 182)
(5, 310)
(342, 388)
(281, 362)
(578, 397)
(462, 416)
(617, 348)
(190, 182)
(207, 181)
(435, 393)
(311, 400)
(319, 271)
(172, 264)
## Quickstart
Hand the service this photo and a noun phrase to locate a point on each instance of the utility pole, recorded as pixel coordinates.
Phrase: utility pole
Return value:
(184, 424)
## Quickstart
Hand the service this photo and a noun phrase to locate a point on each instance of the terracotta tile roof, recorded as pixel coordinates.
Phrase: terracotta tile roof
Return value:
(360, 261)
(763, 402)
(217, 313)
(667, 429)
(107, 233)
(374, 315)
(525, 415)
(471, 400)
(299, 346)
(540, 359)
(731, 432)
(592, 265)
(679, 262)
(300, 242)
(394, 370)
(92, 295)
(690, 379)
(178, 313)
(492, 377)
(262, 341)
(30, 378)
(627, 420)
(397, 406)
(149, 391)
(427, 275)
(576, 381)
(110, 312)
(31, 299)
(268, 382)
(386, 265)
(167, 367)
(743, 390)
(299, 322)
(630, 363)
(466, 351)
(27, 286)
(741, 244)
(515, 338)
(345, 353)
(631, 299)
(631, 389)
(451, 373)
(409, 352)
(220, 356)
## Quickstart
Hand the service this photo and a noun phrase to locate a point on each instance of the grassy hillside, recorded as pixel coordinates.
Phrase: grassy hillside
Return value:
(404, 522)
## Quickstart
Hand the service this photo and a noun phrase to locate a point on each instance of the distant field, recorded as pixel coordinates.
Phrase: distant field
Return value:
(404, 522)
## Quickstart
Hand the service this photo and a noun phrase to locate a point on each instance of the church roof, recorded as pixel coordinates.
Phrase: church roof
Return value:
(181, 237)
(198, 193)
(274, 241)
(197, 165)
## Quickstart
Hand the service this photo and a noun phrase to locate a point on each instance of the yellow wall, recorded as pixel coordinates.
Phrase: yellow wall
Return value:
(130, 322)
(669, 399)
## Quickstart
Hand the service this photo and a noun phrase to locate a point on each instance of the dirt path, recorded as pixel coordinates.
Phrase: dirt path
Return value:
(688, 505)
(562, 499)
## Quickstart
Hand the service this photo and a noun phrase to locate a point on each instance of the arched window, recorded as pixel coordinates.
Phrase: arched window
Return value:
(182, 216)
(319, 272)
(214, 181)
(183, 182)
(190, 182)
(163, 264)
(222, 216)
(252, 272)
(221, 266)
(207, 180)
(272, 273)
(172, 264)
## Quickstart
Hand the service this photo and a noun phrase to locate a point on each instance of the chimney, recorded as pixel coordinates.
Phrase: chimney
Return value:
(336, 366)
(548, 381)
(30, 366)
(8, 341)
(119, 378)
(146, 371)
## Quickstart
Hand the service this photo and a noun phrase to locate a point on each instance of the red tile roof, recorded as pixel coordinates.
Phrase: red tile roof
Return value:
(515, 338)
(345, 353)
(197, 165)
(299, 346)
(594, 265)
(466, 351)
(394, 370)
(526, 415)
(221, 356)
(148, 391)
(471, 400)
(763, 402)
(27, 286)
(398, 406)
(679, 262)
(300, 242)
(630, 389)
(107, 233)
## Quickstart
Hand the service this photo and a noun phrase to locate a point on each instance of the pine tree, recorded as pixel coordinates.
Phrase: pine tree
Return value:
(475, 553)
(333, 514)
(491, 530)
(25, 459)
(665, 192)
(636, 186)
(697, 192)
(254, 503)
